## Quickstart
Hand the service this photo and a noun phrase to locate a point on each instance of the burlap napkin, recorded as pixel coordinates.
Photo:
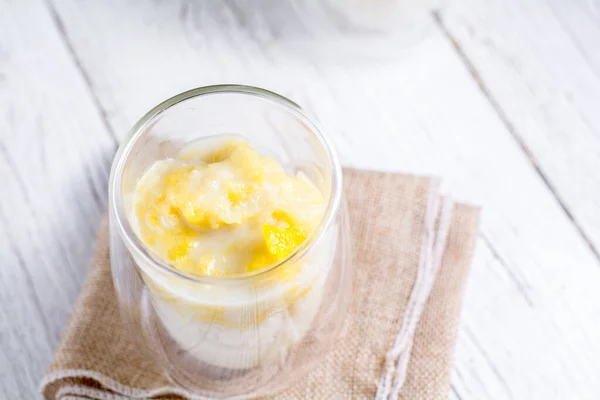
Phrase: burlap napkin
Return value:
(412, 249)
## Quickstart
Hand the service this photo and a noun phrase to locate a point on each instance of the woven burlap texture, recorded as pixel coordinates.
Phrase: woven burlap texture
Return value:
(393, 230)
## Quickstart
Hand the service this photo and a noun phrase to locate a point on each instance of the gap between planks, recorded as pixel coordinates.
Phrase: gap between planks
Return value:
(60, 28)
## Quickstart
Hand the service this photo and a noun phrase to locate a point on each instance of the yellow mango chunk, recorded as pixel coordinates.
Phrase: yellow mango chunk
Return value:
(179, 250)
(261, 260)
(278, 244)
(286, 218)
(281, 242)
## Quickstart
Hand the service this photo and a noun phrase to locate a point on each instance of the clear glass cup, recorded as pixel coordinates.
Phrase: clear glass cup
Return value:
(250, 334)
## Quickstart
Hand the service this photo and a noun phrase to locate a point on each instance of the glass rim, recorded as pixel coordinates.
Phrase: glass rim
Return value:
(134, 243)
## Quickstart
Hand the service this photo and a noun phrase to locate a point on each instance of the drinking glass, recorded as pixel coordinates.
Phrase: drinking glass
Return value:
(253, 333)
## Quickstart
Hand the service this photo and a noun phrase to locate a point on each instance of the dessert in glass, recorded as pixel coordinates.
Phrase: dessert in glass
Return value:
(229, 240)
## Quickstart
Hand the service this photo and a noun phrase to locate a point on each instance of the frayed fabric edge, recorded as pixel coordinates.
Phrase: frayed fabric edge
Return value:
(433, 245)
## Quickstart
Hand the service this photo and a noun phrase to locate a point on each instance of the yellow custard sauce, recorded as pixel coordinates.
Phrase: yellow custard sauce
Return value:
(221, 209)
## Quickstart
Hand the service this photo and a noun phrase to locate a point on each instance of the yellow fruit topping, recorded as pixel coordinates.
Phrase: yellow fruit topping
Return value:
(223, 209)
(281, 242)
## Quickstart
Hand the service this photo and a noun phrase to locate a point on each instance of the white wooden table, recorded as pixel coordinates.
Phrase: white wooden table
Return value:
(503, 102)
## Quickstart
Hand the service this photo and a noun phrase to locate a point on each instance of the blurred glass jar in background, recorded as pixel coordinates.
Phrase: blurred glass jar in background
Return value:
(246, 334)
(329, 30)
(367, 28)
(384, 15)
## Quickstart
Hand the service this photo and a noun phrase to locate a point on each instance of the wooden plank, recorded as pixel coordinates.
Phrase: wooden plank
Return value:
(529, 326)
(54, 158)
(539, 63)
(579, 20)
